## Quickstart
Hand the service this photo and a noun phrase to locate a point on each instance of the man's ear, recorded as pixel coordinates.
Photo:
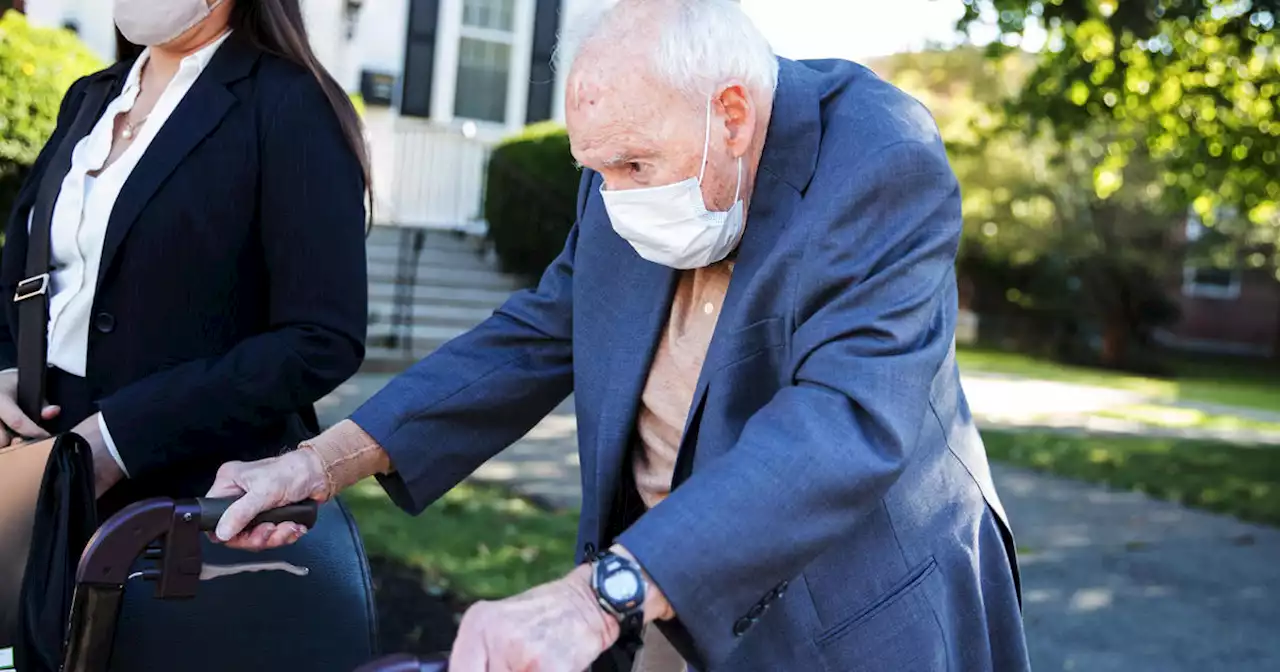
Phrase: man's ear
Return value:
(739, 112)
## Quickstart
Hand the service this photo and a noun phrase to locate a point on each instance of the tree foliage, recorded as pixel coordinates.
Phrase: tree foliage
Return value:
(37, 66)
(1041, 243)
(1191, 85)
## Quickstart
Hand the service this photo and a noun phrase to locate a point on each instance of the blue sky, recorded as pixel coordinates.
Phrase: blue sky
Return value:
(856, 29)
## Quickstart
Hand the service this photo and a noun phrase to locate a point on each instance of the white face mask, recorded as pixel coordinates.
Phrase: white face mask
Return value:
(152, 22)
(670, 225)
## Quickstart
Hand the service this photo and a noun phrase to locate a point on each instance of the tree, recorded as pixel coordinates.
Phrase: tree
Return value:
(37, 66)
(1192, 84)
(1041, 242)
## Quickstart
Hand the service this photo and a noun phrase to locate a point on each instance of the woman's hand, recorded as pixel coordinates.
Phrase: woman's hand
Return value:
(15, 426)
(106, 471)
(264, 485)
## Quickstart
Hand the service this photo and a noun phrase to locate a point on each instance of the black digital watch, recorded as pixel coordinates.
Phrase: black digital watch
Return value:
(620, 589)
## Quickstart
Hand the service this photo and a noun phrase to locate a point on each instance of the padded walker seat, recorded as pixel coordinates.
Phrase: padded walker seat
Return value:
(271, 621)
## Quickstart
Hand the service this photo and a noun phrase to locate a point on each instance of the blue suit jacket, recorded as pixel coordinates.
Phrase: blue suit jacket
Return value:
(833, 506)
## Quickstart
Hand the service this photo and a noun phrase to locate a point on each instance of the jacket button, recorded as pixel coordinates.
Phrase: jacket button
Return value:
(104, 322)
(741, 627)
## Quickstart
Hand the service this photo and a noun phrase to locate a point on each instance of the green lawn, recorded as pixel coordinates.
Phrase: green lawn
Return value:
(1242, 383)
(1240, 480)
(478, 542)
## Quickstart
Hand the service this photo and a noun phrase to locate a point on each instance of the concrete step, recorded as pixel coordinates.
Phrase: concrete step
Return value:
(425, 333)
(474, 297)
(456, 278)
(389, 256)
(434, 239)
(432, 314)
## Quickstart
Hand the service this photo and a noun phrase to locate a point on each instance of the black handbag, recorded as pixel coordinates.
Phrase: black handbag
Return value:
(65, 518)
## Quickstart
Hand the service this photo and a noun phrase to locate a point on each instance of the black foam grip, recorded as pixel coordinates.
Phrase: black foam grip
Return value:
(302, 513)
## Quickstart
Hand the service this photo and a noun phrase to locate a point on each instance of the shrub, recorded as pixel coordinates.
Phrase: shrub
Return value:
(531, 198)
(37, 66)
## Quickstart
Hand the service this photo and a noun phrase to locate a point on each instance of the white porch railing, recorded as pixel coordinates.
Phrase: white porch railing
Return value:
(437, 175)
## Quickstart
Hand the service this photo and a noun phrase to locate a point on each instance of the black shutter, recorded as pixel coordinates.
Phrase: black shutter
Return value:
(419, 58)
(542, 79)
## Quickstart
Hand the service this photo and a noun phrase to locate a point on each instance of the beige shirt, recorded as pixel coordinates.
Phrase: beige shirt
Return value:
(673, 376)
(665, 404)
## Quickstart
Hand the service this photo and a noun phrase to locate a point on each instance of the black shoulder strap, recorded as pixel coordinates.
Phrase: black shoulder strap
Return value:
(32, 294)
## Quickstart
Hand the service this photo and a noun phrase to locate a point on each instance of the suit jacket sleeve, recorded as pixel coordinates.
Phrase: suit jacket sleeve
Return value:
(874, 323)
(479, 393)
(26, 197)
(311, 217)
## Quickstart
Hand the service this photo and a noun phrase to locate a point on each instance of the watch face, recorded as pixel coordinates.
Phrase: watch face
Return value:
(621, 586)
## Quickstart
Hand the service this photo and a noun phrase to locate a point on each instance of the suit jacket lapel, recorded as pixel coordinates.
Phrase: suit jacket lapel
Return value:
(640, 318)
(197, 116)
(98, 92)
(786, 167)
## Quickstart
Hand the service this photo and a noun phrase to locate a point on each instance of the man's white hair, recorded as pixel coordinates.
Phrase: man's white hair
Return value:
(700, 45)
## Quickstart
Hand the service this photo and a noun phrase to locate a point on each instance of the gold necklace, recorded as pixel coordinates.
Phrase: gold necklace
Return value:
(131, 128)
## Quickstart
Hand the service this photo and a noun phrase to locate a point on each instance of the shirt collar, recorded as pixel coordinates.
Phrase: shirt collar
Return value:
(196, 61)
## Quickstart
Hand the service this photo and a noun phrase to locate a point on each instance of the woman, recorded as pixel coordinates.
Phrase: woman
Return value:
(186, 259)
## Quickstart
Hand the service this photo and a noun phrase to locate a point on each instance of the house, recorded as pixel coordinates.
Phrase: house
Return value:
(1227, 311)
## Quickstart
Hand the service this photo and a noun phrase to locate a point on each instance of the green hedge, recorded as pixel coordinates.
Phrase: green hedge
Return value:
(531, 198)
(37, 66)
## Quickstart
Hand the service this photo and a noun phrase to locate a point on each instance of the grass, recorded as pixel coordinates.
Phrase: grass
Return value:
(478, 542)
(1239, 383)
(1239, 480)
(1174, 417)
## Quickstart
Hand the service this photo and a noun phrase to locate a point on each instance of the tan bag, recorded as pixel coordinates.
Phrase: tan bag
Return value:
(21, 473)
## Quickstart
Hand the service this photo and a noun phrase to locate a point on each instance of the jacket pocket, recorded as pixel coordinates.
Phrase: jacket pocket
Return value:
(751, 340)
(899, 632)
(900, 590)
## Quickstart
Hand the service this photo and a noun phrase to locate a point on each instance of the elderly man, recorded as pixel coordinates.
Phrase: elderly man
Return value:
(755, 311)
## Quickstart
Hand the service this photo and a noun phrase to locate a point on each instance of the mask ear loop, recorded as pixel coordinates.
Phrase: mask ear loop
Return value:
(706, 144)
(706, 150)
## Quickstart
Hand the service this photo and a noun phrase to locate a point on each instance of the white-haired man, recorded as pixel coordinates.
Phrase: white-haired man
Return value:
(755, 311)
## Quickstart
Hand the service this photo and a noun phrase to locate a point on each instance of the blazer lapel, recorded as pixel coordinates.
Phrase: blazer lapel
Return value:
(786, 167)
(195, 118)
(99, 91)
(640, 318)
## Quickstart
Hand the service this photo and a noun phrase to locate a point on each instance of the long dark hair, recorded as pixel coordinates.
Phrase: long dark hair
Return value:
(276, 27)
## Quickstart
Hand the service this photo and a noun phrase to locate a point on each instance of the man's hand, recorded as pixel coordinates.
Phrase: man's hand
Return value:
(263, 485)
(556, 627)
(15, 426)
(106, 471)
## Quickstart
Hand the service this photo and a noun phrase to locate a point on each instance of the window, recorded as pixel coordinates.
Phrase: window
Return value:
(485, 43)
(1207, 282)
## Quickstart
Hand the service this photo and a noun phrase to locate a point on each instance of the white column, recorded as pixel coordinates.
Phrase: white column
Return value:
(444, 81)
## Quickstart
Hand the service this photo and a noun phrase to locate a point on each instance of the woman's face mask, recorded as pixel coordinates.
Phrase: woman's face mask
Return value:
(153, 22)
(671, 225)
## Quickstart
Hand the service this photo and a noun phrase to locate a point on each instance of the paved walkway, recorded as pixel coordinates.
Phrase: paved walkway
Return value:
(1008, 401)
(1113, 581)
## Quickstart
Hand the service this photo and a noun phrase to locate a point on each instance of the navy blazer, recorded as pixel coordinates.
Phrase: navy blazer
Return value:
(232, 290)
(833, 507)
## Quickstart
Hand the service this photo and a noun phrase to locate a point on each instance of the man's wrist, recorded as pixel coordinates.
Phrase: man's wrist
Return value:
(346, 455)
(656, 606)
(606, 625)
(317, 483)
